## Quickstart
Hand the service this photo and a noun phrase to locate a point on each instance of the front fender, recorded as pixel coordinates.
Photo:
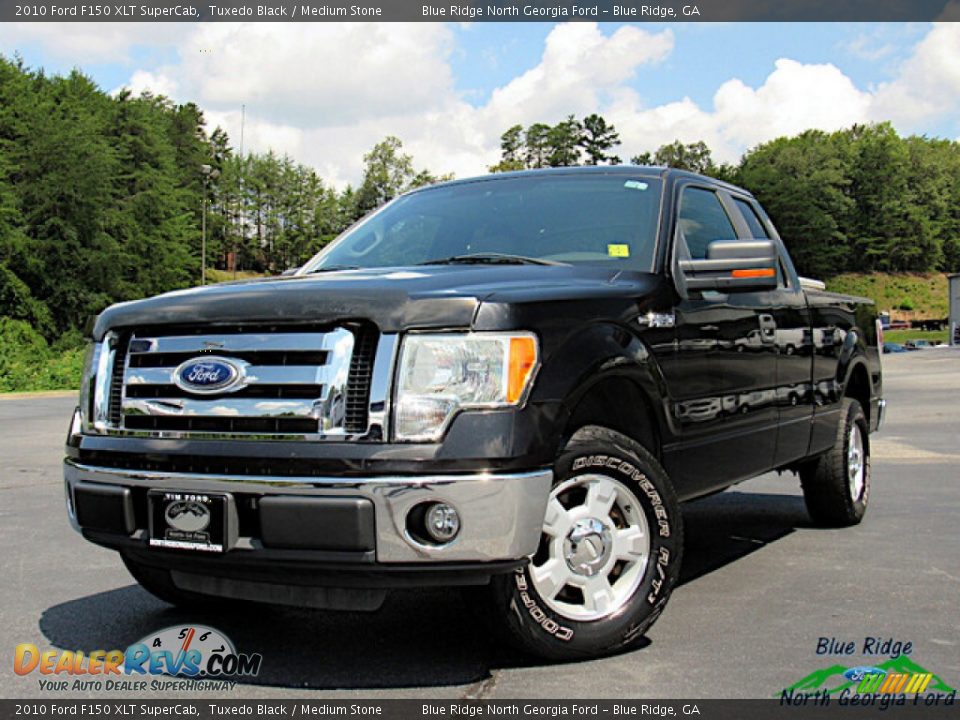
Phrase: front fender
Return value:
(597, 354)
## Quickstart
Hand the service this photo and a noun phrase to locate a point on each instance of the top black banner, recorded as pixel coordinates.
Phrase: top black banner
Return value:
(480, 11)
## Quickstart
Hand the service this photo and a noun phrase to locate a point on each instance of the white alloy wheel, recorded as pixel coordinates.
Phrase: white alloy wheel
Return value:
(855, 462)
(594, 550)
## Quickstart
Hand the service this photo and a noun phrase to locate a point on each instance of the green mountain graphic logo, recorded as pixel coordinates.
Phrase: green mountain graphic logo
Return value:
(831, 679)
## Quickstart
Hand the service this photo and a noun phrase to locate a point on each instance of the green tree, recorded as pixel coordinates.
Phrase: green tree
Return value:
(388, 172)
(896, 226)
(67, 166)
(597, 139)
(695, 157)
(563, 140)
(536, 141)
(804, 184)
(511, 151)
(644, 158)
(152, 218)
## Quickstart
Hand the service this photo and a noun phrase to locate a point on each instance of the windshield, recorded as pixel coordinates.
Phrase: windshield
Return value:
(600, 219)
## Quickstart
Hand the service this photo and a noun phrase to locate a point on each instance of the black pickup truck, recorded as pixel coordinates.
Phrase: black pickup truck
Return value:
(508, 382)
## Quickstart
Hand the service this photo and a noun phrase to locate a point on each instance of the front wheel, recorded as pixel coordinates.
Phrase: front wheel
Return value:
(609, 553)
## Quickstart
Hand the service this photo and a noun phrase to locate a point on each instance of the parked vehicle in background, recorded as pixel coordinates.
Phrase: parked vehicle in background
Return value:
(510, 381)
(898, 325)
(935, 324)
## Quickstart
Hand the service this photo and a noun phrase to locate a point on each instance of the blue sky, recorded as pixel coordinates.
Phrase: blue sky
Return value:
(706, 55)
(325, 93)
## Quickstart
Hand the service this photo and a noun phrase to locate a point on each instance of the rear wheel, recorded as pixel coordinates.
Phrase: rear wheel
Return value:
(836, 486)
(609, 554)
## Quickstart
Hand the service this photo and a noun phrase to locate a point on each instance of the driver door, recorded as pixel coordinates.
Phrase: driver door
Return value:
(721, 373)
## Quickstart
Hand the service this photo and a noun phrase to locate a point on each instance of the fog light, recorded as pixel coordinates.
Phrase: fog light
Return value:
(442, 522)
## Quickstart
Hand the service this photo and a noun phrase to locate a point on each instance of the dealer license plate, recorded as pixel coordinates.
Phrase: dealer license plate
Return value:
(188, 521)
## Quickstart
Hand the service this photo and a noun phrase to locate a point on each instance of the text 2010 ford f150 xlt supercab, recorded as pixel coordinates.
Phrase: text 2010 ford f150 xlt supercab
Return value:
(511, 382)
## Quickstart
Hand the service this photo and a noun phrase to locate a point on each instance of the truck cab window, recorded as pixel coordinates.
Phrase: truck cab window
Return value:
(701, 220)
(757, 229)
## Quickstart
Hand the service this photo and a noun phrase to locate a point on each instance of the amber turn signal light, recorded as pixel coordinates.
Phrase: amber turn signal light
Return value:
(754, 273)
(523, 360)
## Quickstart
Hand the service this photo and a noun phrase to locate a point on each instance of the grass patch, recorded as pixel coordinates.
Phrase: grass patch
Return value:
(219, 276)
(905, 295)
(901, 336)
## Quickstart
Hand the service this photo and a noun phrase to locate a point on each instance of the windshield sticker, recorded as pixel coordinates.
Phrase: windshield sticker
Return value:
(618, 251)
(635, 185)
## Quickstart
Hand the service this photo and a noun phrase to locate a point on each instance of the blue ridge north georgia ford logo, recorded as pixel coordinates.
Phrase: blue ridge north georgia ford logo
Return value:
(207, 375)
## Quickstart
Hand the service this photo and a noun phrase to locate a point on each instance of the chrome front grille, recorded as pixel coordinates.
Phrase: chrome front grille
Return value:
(293, 384)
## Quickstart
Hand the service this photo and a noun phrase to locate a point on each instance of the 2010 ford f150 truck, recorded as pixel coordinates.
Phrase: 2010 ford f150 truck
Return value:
(511, 381)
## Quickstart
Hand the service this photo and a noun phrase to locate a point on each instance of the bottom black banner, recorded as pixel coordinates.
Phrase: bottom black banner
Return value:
(785, 707)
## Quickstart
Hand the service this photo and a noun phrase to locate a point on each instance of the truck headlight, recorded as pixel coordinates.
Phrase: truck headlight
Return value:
(443, 373)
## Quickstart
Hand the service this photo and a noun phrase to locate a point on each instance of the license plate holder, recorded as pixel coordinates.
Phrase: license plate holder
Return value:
(193, 521)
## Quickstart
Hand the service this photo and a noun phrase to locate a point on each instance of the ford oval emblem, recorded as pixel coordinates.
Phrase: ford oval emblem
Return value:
(208, 375)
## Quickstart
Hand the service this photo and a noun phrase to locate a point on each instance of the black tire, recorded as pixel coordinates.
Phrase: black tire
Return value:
(158, 583)
(832, 499)
(520, 613)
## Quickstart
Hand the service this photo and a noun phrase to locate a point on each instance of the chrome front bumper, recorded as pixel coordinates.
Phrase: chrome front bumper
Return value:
(501, 514)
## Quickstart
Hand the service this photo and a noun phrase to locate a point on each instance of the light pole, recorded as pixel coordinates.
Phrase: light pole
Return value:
(209, 173)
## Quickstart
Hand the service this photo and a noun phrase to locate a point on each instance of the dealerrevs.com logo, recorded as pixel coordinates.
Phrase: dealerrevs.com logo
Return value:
(201, 657)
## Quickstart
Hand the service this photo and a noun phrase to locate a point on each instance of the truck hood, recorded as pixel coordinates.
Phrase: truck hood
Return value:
(394, 298)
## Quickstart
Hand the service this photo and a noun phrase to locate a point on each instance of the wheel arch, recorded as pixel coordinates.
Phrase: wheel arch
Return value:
(618, 403)
(857, 385)
(607, 376)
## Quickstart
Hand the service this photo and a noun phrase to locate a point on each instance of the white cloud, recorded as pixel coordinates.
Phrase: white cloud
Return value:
(793, 97)
(326, 92)
(316, 75)
(927, 84)
(867, 48)
(580, 65)
(146, 81)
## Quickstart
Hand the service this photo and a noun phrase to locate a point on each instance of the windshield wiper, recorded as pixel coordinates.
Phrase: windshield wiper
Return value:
(489, 259)
(333, 268)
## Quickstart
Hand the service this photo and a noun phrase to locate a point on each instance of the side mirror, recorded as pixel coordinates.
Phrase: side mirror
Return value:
(733, 266)
(289, 271)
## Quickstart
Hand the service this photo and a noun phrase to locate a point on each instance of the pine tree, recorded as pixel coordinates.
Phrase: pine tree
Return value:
(597, 139)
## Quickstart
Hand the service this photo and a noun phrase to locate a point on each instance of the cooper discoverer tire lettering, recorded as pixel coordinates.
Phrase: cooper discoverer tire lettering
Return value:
(609, 555)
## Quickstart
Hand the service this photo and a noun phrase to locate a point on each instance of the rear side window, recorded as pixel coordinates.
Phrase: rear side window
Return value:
(757, 229)
(702, 220)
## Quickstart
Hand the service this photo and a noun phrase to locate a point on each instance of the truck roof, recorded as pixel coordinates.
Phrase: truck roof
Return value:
(631, 170)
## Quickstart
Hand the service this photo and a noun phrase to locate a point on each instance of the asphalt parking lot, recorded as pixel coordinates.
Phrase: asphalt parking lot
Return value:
(760, 585)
